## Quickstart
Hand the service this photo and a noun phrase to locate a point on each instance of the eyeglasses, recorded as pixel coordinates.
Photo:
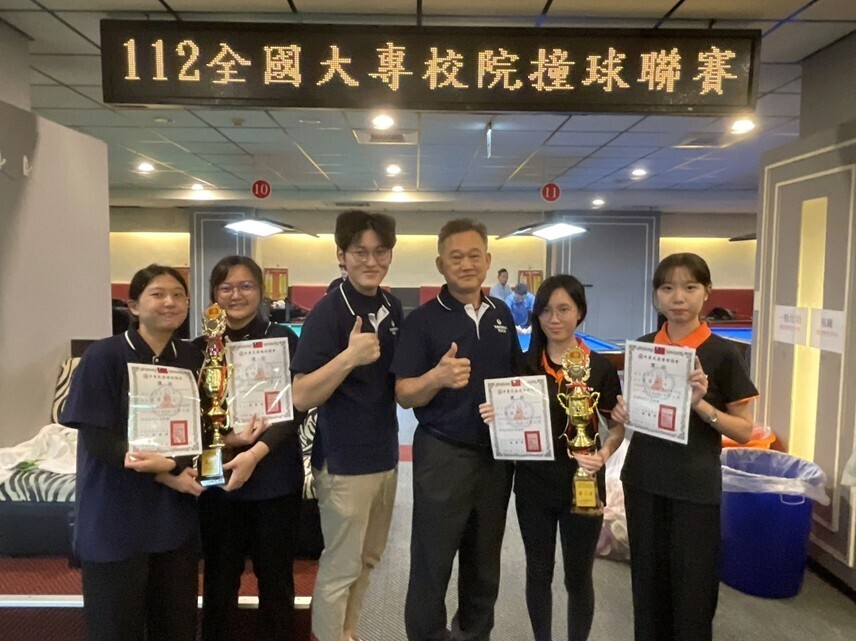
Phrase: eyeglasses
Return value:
(245, 287)
(562, 312)
(380, 254)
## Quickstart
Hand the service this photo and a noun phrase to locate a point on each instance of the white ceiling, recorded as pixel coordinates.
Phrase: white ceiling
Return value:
(312, 157)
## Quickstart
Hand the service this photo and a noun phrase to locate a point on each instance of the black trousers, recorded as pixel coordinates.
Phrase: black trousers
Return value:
(151, 596)
(265, 531)
(674, 564)
(578, 536)
(460, 502)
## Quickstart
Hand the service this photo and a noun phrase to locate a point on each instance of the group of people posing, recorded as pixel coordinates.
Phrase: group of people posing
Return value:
(139, 516)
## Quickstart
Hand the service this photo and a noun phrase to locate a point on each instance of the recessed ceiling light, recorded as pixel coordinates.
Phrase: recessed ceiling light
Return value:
(146, 167)
(160, 120)
(742, 126)
(382, 121)
(597, 202)
(393, 170)
(309, 121)
(639, 172)
(398, 188)
(197, 187)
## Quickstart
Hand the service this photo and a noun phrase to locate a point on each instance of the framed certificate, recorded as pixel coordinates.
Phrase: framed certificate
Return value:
(521, 430)
(163, 410)
(259, 382)
(657, 389)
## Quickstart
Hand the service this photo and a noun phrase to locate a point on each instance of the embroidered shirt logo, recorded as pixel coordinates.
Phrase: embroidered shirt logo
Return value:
(502, 329)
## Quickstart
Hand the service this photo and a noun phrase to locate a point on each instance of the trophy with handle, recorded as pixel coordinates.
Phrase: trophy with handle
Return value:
(579, 404)
(213, 379)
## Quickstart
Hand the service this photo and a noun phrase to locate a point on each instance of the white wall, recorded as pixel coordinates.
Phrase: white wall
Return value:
(131, 251)
(732, 265)
(54, 274)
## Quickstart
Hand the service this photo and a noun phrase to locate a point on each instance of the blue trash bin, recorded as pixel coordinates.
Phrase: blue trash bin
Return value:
(767, 502)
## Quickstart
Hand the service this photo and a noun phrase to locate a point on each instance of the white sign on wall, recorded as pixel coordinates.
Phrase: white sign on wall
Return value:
(791, 325)
(827, 330)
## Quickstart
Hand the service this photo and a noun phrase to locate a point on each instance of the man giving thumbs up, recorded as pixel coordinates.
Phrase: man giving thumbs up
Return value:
(342, 368)
(448, 347)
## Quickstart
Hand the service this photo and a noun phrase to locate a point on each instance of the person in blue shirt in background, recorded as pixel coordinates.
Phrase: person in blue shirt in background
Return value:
(500, 289)
(521, 303)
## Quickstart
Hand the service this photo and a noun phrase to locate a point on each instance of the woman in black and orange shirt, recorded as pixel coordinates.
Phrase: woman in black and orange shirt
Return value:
(672, 491)
(544, 489)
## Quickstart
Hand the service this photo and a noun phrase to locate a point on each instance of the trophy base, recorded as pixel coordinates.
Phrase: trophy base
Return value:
(586, 497)
(211, 473)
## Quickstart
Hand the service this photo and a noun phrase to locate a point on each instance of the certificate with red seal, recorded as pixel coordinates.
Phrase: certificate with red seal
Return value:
(521, 430)
(163, 411)
(260, 381)
(657, 389)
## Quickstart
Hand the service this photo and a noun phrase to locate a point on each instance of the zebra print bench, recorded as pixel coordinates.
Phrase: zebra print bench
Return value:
(36, 506)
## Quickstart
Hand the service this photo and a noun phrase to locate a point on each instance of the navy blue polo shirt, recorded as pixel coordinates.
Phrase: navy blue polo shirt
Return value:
(121, 513)
(491, 346)
(281, 471)
(357, 427)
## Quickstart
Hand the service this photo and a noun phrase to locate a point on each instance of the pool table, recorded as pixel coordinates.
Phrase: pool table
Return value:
(597, 344)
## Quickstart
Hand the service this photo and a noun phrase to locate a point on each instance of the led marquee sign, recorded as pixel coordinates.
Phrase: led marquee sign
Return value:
(437, 68)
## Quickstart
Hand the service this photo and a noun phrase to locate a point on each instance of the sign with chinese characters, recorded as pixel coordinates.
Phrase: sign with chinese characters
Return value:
(442, 68)
(791, 325)
(828, 329)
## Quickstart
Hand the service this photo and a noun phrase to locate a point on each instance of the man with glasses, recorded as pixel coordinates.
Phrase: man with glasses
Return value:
(448, 347)
(342, 368)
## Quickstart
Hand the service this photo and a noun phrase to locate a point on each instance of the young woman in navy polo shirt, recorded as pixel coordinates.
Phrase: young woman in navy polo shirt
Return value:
(136, 524)
(672, 491)
(256, 513)
(543, 489)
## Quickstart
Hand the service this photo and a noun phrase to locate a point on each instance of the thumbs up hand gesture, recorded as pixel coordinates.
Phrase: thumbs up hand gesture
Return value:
(453, 372)
(364, 347)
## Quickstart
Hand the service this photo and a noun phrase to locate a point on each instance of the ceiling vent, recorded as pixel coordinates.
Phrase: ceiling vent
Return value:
(368, 137)
(706, 141)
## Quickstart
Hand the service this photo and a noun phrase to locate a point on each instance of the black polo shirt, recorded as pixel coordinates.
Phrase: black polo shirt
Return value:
(281, 471)
(493, 350)
(120, 513)
(357, 427)
(550, 482)
(691, 472)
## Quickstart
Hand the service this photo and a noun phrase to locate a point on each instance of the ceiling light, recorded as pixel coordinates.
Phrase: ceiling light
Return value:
(397, 188)
(197, 186)
(742, 126)
(263, 227)
(308, 121)
(598, 202)
(639, 172)
(382, 121)
(146, 167)
(160, 120)
(547, 231)
(557, 230)
(257, 227)
(393, 170)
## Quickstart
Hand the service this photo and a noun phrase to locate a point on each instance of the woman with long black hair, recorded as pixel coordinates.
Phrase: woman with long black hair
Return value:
(672, 491)
(544, 489)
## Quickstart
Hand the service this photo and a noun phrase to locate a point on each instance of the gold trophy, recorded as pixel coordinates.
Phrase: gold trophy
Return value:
(212, 381)
(579, 404)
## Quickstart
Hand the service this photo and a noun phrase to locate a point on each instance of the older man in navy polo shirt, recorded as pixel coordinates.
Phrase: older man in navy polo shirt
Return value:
(448, 347)
(342, 367)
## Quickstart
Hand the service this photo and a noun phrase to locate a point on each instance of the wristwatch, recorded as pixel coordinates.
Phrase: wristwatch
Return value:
(713, 417)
